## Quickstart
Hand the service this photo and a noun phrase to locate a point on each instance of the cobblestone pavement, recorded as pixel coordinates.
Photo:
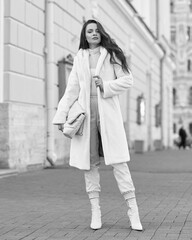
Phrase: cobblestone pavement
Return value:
(52, 203)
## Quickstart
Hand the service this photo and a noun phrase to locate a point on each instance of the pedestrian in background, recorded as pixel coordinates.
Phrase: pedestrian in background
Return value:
(99, 74)
(183, 137)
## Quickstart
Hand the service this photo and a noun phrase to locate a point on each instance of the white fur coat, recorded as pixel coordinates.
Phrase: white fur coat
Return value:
(115, 81)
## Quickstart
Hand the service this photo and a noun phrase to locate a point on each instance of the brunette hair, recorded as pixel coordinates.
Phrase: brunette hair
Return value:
(107, 42)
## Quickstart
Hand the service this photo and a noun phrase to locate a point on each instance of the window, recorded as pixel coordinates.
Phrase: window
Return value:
(172, 6)
(140, 109)
(173, 34)
(174, 128)
(190, 128)
(190, 5)
(188, 33)
(174, 96)
(189, 37)
(181, 39)
(64, 69)
(158, 115)
(190, 96)
(189, 65)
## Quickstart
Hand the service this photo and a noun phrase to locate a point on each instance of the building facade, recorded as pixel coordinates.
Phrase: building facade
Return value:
(39, 39)
(181, 38)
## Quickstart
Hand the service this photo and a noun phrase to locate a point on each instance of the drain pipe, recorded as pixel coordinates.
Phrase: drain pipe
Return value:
(49, 83)
(1, 50)
(162, 97)
(157, 18)
(161, 72)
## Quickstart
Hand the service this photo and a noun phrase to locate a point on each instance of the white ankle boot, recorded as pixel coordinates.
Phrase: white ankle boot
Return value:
(96, 214)
(133, 214)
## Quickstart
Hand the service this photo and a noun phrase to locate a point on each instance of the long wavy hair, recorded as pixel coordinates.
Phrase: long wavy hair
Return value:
(107, 42)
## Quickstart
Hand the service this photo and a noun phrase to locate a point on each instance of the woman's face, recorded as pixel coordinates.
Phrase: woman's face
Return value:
(92, 35)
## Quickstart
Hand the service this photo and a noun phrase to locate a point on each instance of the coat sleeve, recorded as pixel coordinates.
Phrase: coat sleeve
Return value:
(70, 96)
(116, 86)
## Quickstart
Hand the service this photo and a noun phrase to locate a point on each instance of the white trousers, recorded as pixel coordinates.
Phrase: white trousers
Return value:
(120, 170)
(122, 176)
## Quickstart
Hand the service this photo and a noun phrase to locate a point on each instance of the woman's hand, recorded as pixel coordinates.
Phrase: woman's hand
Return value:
(61, 127)
(98, 82)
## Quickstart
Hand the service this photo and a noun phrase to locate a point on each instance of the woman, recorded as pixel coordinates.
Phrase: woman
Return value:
(99, 74)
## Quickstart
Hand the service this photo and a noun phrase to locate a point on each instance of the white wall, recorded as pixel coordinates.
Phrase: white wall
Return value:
(164, 19)
(24, 56)
(24, 84)
(1, 50)
(148, 11)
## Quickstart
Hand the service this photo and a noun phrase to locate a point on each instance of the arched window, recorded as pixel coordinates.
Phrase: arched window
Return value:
(189, 65)
(174, 96)
(190, 96)
(140, 109)
(172, 6)
(64, 69)
(189, 37)
(158, 115)
(173, 34)
(190, 5)
(190, 128)
(174, 128)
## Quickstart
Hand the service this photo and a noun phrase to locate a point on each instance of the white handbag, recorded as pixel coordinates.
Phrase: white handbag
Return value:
(75, 121)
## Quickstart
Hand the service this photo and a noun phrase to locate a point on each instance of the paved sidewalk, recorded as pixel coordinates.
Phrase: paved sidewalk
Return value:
(52, 204)
(7, 172)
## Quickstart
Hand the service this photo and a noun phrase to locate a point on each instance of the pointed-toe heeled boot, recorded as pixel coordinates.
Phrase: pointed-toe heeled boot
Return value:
(96, 214)
(133, 214)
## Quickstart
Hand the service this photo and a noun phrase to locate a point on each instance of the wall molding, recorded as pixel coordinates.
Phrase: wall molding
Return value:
(142, 29)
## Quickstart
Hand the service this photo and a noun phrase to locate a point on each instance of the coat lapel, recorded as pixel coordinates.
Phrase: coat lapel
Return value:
(101, 60)
(86, 64)
(83, 64)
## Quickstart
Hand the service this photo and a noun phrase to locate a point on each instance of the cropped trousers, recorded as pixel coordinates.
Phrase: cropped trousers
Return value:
(121, 170)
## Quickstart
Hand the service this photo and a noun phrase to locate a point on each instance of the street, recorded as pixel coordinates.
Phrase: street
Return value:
(52, 203)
